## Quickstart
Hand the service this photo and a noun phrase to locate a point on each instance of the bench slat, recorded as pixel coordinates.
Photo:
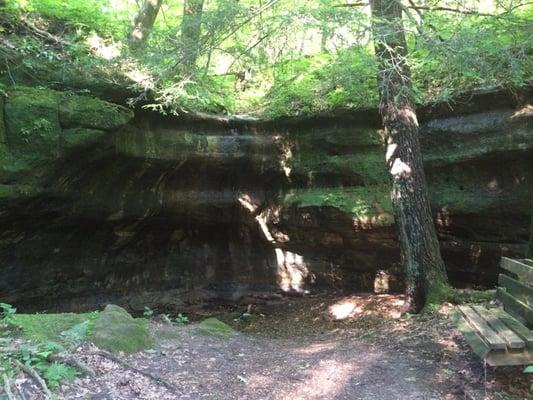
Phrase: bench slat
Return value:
(525, 334)
(478, 345)
(500, 358)
(512, 339)
(528, 262)
(517, 289)
(485, 331)
(515, 307)
(523, 271)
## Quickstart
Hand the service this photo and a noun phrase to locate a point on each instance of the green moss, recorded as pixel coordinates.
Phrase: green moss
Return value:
(438, 294)
(441, 293)
(350, 137)
(81, 137)
(8, 191)
(89, 112)
(48, 327)
(361, 202)
(473, 296)
(116, 330)
(312, 157)
(32, 123)
(215, 327)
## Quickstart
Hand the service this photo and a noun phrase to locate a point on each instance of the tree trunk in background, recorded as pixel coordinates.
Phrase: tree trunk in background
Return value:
(190, 33)
(425, 272)
(530, 247)
(144, 22)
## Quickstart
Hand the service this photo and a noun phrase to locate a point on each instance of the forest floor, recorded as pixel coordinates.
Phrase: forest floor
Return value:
(322, 347)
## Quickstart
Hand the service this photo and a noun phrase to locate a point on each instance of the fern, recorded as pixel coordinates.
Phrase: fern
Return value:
(55, 372)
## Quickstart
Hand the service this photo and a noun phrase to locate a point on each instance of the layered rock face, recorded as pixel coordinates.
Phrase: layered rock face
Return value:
(98, 206)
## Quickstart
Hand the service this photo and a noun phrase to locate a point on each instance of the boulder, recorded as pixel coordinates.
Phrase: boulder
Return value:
(116, 330)
(89, 112)
(215, 327)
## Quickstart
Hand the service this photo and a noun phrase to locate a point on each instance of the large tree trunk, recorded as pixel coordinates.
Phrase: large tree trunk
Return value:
(426, 278)
(190, 33)
(144, 22)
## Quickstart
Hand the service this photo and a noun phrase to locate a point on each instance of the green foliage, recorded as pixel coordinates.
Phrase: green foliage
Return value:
(40, 126)
(7, 313)
(148, 312)
(471, 52)
(79, 332)
(102, 16)
(181, 319)
(299, 57)
(56, 372)
(44, 328)
(38, 357)
(324, 82)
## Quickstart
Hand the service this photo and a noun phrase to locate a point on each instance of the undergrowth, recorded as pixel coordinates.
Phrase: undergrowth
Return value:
(451, 55)
(39, 344)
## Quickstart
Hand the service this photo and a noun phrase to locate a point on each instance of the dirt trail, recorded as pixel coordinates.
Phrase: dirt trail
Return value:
(370, 355)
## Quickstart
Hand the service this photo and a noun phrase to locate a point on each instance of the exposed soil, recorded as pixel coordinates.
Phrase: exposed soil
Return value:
(296, 349)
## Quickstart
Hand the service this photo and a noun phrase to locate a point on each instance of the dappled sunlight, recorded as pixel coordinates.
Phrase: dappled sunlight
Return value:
(494, 186)
(316, 348)
(323, 381)
(101, 49)
(387, 306)
(345, 309)
(246, 201)
(525, 111)
(443, 217)
(292, 271)
(285, 155)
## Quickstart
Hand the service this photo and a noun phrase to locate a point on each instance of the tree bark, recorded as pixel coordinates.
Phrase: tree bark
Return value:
(144, 22)
(190, 33)
(530, 247)
(426, 280)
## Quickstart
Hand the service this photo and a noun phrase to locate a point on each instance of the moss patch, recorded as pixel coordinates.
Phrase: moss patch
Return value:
(371, 204)
(116, 330)
(78, 138)
(88, 112)
(215, 327)
(32, 124)
(48, 327)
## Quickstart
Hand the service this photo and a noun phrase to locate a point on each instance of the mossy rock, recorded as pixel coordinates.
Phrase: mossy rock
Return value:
(78, 138)
(116, 330)
(32, 123)
(215, 327)
(89, 112)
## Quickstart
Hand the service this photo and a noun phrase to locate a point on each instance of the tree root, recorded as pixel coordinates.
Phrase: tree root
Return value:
(127, 365)
(35, 376)
(7, 387)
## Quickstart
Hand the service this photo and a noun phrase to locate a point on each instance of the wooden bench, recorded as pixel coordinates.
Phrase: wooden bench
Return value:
(503, 335)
